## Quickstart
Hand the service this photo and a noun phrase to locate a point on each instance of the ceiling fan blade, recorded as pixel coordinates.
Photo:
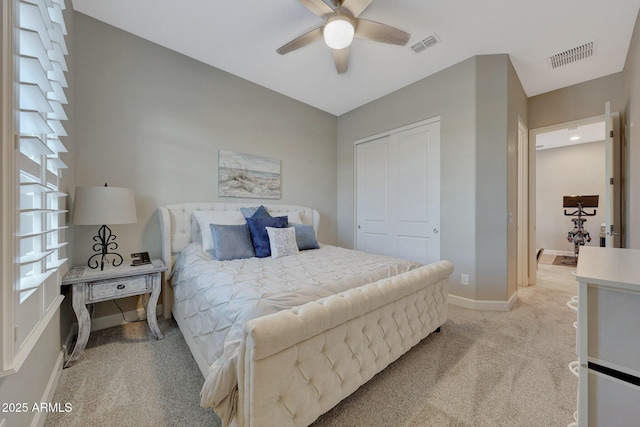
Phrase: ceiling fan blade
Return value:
(318, 7)
(301, 41)
(356, 7)
(376, 31)
(341, 58)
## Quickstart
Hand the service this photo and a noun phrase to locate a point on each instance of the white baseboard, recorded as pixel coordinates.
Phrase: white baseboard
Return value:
(483, 305)
(40, 417)
(105, 322)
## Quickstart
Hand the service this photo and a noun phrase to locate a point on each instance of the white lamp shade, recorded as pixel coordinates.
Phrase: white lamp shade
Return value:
(104, 205)
(338, 32)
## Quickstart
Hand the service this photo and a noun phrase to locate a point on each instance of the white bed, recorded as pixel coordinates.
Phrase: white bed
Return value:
(287, 366)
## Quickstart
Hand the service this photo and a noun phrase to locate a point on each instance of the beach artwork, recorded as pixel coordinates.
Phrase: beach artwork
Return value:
(246, 175)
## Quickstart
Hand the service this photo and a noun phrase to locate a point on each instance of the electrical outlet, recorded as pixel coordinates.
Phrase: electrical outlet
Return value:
(464, 279)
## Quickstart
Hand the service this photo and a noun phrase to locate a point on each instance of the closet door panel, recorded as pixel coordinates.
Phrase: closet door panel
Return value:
(373, 201)
(398, 194)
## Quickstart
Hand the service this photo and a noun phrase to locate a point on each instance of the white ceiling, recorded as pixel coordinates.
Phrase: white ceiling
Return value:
(241, 37)
(582, 134)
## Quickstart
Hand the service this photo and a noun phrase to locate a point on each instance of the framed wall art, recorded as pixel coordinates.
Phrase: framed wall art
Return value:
(246, 175)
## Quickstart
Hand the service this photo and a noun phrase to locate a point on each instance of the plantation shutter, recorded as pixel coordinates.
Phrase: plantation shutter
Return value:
(42, 51)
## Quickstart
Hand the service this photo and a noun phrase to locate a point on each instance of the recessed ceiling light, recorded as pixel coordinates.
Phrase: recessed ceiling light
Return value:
(574, 138)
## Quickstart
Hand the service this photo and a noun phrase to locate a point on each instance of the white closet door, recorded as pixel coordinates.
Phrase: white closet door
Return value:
(373, 226)
(398, 194)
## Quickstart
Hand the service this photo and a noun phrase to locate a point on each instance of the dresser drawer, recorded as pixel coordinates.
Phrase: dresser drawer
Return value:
(612, 321)
(119, 287)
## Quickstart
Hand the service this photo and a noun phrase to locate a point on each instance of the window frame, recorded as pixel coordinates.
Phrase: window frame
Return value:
(7, 186)
(16, 344)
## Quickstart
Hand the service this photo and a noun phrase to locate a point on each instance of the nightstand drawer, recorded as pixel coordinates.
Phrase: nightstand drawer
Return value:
(119, 287)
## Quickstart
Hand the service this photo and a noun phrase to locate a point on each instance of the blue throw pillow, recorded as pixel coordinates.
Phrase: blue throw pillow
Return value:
(306, 237)
(259, 236)
(231, 242)
(255, 212)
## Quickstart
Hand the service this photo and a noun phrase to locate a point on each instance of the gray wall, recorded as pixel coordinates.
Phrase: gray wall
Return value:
(451, 95)
(631, 84)
(576, 169)
(153, 120)
(579, 101)
(473, 99)
(491, 177)
(501, 100)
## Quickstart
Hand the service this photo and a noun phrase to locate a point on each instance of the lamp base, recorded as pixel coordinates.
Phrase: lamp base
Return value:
(105, 244)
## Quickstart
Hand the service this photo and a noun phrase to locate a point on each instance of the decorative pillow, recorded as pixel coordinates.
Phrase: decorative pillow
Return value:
(231, 242)
(293, 217)
(259, 236)
(248, 212)
(306, 237)
(255, 212)
(282, 241)
(205, 218)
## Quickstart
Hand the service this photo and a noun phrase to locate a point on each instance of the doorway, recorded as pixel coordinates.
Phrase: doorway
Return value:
(523, 267)
(576, 158)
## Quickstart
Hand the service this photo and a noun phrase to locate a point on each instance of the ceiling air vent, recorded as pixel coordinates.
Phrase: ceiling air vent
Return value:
(572, 55)
(422, 45)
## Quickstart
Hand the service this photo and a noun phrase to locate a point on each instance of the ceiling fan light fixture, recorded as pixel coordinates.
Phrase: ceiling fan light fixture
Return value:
(338, 32)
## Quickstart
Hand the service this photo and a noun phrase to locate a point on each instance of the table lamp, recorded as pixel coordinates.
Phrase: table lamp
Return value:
(101, 206)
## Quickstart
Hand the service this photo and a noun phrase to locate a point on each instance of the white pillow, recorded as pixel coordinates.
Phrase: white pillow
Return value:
(205, 218)
(292, 217)
(282, 241)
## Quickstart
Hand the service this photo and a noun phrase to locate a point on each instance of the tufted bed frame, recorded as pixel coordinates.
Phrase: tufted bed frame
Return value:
(297, 364)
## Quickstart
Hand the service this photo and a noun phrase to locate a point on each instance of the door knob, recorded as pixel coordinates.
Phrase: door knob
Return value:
(435, 230)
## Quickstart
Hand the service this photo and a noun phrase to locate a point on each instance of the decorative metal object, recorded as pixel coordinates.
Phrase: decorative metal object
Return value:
(106, 243)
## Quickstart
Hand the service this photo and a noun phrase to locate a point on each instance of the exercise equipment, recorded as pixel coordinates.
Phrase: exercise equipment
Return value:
(579, 235)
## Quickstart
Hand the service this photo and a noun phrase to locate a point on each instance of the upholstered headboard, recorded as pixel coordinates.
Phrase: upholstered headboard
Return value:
(178, 229)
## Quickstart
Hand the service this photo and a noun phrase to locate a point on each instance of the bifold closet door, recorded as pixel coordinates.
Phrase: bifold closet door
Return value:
(398, 194)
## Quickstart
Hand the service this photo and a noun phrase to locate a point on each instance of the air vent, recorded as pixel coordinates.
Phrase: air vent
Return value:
(567, 57)
(426, 43)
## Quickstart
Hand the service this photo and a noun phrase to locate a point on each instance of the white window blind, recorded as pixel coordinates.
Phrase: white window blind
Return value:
(41, 68)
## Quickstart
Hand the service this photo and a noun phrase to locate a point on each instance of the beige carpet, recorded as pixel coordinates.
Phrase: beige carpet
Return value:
(483, 369)
(125, 377)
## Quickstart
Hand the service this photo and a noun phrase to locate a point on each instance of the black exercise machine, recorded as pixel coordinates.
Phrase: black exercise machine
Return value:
(579, 235)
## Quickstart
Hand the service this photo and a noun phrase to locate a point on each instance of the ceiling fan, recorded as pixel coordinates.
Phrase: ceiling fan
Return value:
(341, 24)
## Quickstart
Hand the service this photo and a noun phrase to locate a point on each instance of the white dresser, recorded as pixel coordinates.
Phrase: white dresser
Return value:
(608, 337)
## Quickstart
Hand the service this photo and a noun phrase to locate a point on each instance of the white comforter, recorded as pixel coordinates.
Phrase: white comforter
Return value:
(217, 298)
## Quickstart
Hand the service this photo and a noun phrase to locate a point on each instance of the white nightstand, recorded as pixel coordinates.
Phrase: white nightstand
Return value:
(92, 285)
